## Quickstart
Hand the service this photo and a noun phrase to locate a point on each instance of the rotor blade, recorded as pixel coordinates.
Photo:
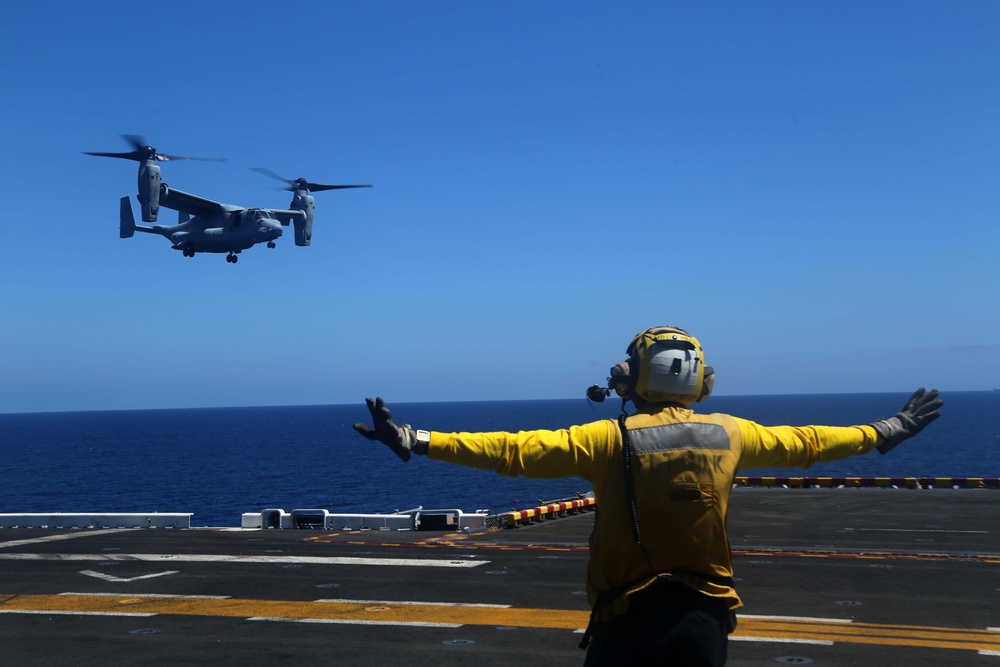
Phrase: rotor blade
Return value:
(138, 143)
(268, 172)
(141, 147)
(145, 152)
(303, 183)
(124, 156)
(316, 187)
(167, 158)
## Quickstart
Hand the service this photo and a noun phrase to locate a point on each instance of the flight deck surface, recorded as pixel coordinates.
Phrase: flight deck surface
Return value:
(828, 576)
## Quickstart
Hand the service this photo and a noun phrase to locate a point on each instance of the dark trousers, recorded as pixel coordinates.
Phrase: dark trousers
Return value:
(666, 624)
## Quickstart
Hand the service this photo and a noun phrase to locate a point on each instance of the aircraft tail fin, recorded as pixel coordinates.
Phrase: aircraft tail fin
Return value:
(126, 219)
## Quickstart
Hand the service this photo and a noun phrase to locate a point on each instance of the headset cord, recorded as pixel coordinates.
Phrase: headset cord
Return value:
(630, 490)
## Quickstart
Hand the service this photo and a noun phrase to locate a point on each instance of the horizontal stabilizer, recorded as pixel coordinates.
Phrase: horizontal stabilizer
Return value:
(126, 220)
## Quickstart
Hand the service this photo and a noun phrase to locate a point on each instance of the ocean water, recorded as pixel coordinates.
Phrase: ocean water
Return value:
(220, 462)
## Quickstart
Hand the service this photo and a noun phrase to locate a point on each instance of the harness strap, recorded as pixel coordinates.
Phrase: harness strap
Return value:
(629, 480)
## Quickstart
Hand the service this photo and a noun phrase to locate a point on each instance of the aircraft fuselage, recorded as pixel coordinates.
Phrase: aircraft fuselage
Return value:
(221, 233)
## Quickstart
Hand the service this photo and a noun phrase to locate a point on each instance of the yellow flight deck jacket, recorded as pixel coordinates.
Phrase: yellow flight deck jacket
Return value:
(683, 465)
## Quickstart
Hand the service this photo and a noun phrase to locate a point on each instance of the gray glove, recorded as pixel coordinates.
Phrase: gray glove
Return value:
(918, 412)
(401, 439)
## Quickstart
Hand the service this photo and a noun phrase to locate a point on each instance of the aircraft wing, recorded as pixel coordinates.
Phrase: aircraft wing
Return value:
(286, 216)
(192, 204)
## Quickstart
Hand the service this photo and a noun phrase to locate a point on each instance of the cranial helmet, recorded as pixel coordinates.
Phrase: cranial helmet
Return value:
(665, 365)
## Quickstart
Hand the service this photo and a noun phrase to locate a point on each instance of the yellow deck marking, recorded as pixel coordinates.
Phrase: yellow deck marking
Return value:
(292, 609)
(870, 633)
(389, 612)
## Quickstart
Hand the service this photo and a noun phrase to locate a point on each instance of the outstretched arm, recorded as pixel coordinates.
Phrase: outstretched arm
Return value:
(579, 451)
(802, 446)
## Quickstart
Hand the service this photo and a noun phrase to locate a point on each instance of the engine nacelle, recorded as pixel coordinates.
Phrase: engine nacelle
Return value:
(303, 228)
(149, 190)
(303, 232)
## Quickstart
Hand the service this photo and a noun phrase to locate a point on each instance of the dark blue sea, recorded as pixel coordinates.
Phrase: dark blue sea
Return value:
(218, 463)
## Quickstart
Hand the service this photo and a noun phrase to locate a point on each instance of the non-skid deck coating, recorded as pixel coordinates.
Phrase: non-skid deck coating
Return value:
(829, 577)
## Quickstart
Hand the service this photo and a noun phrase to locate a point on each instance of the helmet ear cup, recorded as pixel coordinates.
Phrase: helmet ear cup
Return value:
(707, 383)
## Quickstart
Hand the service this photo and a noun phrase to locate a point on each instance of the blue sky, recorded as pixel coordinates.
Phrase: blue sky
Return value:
(809, 188)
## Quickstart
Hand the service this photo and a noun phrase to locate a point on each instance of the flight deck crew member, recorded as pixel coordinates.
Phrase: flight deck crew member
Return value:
(660, 576)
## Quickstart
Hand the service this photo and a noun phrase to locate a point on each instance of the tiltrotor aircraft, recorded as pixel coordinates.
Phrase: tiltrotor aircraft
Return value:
(204, 225)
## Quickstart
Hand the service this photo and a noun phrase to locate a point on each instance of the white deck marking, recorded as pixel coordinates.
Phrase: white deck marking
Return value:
(122, 580)
(233, 558)
(780, 640)
(915, 530)
(61, 536)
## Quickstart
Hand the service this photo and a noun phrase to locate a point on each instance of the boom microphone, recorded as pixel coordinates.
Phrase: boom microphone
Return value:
(597, 393)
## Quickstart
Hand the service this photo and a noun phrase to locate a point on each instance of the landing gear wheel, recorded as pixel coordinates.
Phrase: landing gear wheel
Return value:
(232, 258)
(271, 244)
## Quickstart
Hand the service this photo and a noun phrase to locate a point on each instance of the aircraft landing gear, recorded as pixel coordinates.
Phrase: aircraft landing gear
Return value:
(232, 258)
(271, 244)
(188, 253)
